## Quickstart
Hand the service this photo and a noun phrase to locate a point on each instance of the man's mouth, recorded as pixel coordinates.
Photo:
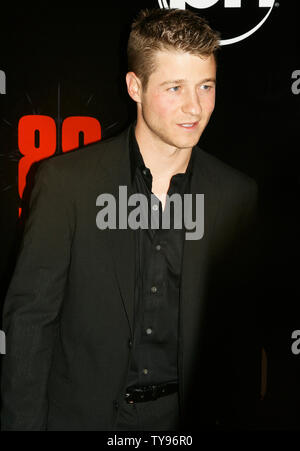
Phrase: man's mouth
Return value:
(189, 125)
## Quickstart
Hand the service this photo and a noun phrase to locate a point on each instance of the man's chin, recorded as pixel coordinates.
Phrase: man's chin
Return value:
(187, 143)
(190, 140)
(179, 140)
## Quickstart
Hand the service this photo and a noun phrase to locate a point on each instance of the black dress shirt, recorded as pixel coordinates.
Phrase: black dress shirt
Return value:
(157, 288)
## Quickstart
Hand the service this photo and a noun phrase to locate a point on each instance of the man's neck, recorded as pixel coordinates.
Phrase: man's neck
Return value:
(163, 160)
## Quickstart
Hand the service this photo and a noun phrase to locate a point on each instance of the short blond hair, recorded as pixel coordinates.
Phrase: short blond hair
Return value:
(167, 29)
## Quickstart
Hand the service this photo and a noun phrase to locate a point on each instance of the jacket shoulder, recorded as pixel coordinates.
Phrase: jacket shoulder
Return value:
(80, 162)
(223, 174)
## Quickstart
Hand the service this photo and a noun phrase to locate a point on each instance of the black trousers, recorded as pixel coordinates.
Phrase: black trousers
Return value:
(159, 415)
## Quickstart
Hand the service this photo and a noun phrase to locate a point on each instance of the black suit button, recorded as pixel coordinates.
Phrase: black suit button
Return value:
(130, 344)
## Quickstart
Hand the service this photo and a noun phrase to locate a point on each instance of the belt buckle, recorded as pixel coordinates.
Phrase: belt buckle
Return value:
(129, 398)
(134, 395)
(140, 394)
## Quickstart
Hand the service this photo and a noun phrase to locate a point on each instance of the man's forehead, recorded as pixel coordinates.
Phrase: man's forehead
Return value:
(175, 69)
(164, 60)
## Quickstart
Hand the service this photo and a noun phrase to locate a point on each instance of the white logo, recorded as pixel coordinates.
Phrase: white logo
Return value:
(204, 4)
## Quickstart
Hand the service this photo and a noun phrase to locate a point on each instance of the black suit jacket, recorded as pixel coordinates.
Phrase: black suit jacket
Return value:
(68, 313)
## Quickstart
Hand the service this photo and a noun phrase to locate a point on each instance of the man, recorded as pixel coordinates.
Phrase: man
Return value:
(118, 328)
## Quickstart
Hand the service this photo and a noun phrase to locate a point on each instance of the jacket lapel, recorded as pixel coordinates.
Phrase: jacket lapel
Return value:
(195, 268)
(116, 164)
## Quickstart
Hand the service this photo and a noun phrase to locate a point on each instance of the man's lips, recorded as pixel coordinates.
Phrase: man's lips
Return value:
(188, 125)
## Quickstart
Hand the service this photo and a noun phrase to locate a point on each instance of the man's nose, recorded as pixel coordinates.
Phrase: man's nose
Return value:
(192, 104)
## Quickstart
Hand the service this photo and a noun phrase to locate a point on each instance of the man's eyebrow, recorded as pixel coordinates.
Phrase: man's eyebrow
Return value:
(209, 80)
(177, 82)
(171, 82)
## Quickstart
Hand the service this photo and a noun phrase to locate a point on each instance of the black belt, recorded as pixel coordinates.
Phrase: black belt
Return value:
(149, 392)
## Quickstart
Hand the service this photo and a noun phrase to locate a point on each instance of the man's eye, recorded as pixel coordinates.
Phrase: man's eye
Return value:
(206, 87)
(174, 88)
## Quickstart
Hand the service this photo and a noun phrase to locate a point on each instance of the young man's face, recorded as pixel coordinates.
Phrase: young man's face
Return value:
(179, 99)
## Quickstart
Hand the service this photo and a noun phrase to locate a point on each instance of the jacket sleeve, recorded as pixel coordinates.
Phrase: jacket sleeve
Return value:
(33, 302)
(243, 344)
(234, 326)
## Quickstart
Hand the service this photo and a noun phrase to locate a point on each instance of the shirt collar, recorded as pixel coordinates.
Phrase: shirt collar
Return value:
(136, 158)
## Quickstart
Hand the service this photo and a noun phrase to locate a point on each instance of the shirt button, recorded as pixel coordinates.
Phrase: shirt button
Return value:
(145, 371)
(145, 171)
(149, 331)
(155, 207)
(158, 247)
(154, 289)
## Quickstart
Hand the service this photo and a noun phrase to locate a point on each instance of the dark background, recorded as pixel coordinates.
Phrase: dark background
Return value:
(65, 61)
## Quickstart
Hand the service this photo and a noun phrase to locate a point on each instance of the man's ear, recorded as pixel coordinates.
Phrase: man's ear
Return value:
(134, 86)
